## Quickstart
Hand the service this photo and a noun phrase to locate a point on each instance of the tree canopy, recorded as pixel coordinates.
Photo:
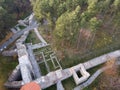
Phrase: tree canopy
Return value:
(68, 17)
(11, 11)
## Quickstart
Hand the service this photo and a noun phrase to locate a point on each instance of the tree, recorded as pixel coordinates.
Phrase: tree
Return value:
(66, 23)
(116, 3)
(55, 8)
(94, 24)
(106, 6)
(11, 11)
(67, 26)
(89, 13)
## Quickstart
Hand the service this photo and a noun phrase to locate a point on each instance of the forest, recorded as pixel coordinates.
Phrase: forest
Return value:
(78, 30)
(10, 12)
(75, 23)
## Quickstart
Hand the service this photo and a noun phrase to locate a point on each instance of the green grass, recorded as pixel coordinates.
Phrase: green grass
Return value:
(53, 87)
(51, 66)
(43, 69)
(69, 83)
(32, 38)
(22, 27)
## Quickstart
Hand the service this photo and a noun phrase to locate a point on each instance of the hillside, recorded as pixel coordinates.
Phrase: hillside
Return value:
(78, 30)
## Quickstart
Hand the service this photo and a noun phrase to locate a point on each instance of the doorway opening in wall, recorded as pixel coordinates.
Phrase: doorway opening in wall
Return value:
(79, 74)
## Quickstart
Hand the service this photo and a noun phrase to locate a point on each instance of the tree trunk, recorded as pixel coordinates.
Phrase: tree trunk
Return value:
(91, 44)
(86, 43)
(78, 41)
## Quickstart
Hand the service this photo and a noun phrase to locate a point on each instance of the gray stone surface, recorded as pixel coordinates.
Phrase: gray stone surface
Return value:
(9, 52)
(94, 76)
(24, 23)
(101, 59)
(52, 78)
(82, 70)
(36, 69)
(66, 73)
(60, 86)
(39, 36)
(13, 30)
(14, 84)
(46, 64)
(39, 45)
(54, 59)
(15, 36)
(25, 72)
(23, 58)
(15, 74)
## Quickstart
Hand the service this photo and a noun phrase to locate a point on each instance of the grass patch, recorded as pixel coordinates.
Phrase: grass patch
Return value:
(43, 69)
(53, 87)
(22, 27)
(32, 38)
(69, 83)
(51, 66)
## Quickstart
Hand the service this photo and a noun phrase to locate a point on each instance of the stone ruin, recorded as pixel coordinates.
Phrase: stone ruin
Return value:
(28, 69)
